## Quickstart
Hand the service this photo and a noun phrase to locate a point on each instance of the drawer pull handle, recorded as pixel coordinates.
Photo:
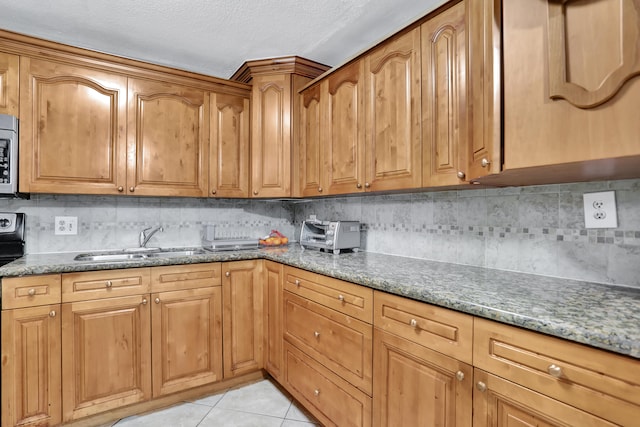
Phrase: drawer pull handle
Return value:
(52, 313)
(109, 283)
(144, 301)
(227, 274)
(413, 323)
(157, 300)
(554, 370)
(460, 375)
(341, 298)
(297, 282)
(31, 292)
(316, 392)
(481, 386)
(316, 334)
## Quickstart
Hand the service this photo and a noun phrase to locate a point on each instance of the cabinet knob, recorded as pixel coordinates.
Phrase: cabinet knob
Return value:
(367, 185)
(297, 282)
(132, 189)
(358, 185)
(460, 375)
(109, 284)
(213, 191)
(484, 163)
(554, 370)
(341, 298)
(227, 274)
(157, 300)
(316, 334)
(319, 189)
(52, 313)
(120, 189)
(413, 323)
(31, 292)
(144, 301)
(316, 392)
(481, 386)
(255, 192)
(461, 174)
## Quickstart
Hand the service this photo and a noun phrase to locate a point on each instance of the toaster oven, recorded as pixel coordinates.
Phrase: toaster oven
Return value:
(334, 236)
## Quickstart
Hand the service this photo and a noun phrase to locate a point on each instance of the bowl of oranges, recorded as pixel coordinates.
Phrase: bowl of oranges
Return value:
(275, 238)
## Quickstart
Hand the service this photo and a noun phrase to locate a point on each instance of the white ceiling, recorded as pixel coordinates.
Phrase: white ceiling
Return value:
(215, 37)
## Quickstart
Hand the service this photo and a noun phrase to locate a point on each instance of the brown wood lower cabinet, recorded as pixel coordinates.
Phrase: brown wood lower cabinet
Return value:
(31, 372)
(273, 276)
(106, 362)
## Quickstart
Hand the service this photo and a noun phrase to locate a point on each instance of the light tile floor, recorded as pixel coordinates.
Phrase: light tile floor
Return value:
(260, 404)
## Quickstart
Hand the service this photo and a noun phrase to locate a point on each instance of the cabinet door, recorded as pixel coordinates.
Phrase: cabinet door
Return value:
(273, 338)
(72, 129)
(271, 138)
(311, 152)
(570, 93)
(31, 372)
(186, 339)
(167, 142)
(444, 97)
(501, 403)
(229, 146)
(393, 147)
(106, 361)
(343, 136)
(242, 317)
(9, 83)
(416, 386)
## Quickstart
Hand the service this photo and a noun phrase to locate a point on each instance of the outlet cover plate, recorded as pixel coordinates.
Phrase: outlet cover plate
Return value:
(600, 210)
(66, 225)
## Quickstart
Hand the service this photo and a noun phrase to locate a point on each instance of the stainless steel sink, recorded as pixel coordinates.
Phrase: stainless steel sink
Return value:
(128, 256)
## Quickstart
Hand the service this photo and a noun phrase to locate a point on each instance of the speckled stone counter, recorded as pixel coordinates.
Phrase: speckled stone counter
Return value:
(602, 316)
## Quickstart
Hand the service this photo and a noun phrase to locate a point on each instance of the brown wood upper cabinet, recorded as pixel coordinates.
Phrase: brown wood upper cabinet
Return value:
(571, 94)
(392, 114)
(229, 146)
(9, 83)
(167, 139)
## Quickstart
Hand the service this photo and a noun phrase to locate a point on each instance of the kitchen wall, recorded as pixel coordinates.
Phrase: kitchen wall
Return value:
(537, 229)
(110, 222)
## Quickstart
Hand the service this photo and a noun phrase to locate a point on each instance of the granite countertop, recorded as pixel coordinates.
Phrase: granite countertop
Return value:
(602, 316)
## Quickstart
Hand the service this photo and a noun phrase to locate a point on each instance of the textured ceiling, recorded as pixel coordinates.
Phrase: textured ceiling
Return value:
(214, 37)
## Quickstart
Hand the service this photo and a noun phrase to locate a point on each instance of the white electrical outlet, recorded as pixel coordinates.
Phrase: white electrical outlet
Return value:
(66, 225)
(600, 210)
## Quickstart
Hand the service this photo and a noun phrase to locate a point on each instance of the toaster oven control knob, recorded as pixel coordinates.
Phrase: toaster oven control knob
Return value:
(330, 232)
(329, 242)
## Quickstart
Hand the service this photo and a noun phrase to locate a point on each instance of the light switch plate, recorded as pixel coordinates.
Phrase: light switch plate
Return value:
(66, 225)
(600, 210)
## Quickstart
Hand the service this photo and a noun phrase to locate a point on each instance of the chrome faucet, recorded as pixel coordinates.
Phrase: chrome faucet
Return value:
(144, 236)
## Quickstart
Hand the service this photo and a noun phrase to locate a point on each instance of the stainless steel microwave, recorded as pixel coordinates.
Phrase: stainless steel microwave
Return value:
(8, 155)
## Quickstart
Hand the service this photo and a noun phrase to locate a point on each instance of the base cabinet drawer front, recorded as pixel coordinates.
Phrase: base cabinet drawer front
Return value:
(91, 285)
(415, 386)
(31, 374)
(604, 384)
(106, 358)
(31, 291)
(345, 297)
(190, 276)
(186, 339)
(328, 397)
(337, 341)
(438, 328)
(501, 403)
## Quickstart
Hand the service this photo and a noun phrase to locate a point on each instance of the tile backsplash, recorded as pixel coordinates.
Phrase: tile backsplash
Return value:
(538, 229)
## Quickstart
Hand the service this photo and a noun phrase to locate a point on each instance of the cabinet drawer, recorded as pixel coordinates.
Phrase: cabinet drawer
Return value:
(179, 277)
(598, 382)
(328, 397)
(30, 291)
(440, 329)
(345, 297)
(339, 342)
(105, 284)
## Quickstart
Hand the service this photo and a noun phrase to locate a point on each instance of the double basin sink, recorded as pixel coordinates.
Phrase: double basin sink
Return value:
(137, 254)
